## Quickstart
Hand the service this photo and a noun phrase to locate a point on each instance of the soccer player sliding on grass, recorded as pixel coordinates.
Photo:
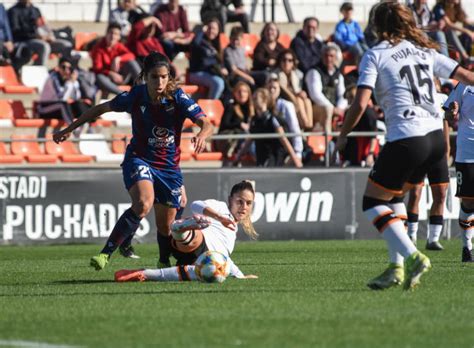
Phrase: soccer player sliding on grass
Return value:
(150, 169)
(213, 226)
(400, 69)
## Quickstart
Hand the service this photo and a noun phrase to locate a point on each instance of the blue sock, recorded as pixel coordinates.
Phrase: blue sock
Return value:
(123, 229)
(164, 245)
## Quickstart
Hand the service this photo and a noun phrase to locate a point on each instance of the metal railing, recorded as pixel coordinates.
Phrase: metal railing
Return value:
(327, 138)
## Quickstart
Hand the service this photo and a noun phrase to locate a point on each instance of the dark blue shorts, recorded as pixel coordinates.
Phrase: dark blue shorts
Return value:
(167, 184)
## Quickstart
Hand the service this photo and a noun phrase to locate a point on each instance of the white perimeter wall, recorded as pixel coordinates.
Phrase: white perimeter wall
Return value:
(325, 10)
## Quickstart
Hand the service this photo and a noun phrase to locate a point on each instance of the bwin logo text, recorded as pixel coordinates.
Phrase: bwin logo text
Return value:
(279, 207)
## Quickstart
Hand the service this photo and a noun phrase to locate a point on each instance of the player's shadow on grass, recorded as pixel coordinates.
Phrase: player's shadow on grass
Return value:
(81, 281)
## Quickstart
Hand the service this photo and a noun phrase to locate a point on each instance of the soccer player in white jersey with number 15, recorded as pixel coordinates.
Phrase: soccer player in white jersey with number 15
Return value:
(400, 70)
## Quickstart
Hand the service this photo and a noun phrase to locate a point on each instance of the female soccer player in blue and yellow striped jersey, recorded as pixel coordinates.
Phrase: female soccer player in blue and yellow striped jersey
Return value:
(150, 168)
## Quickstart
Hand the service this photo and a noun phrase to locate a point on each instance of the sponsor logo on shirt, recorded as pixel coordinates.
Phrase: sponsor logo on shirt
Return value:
(162, 137)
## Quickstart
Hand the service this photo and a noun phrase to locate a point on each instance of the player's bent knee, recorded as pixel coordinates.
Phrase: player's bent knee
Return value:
(190, 242)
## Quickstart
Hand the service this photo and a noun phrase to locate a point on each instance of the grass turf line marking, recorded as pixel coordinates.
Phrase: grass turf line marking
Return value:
(31, 344)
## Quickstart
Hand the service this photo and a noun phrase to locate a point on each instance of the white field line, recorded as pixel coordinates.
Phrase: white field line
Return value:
(32, 344)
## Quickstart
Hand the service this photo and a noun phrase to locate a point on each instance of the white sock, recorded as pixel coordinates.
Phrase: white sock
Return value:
(398, 239)
(467, 238)
(434, 232)
(412, 229)
(435, 228)
(171, 274)
(385, 220)
(467, 232)
(400, 210)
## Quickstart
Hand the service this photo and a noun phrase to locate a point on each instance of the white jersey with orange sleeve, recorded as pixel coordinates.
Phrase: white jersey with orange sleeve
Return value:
(464, 95)
(402, 79)
(217, 236)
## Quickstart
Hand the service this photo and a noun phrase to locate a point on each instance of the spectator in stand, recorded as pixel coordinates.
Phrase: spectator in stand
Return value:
(142, 40)
(424, 19)
(326, 89)
(348, 34)
(449, 13)
(236, 119)
(30, 31)
(125, 15)
(63, 96)
(286, 110)
(267, 50)
(236, 62)
(307, 46)
(205, 67)
(361, 151)
(175, 34)
(6, 38)
(112, 62)
(291, 82)
(220, 9)
(270, 152)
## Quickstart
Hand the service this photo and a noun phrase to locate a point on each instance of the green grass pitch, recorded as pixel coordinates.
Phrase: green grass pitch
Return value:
(309, 294)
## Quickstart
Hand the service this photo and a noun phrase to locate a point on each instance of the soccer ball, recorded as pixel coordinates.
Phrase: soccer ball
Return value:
(212, 267)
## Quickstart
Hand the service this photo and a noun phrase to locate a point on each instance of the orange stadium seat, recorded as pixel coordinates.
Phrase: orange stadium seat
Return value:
(9, 82)
(15, 111)
(81, 39)
(24, 145)
(7, 157)
(120, 142)
(6, 110)
(347, 69)
(223, 40)
(186, 146)
(249, 42)
(66, 151)
(318, 144)
(348, 57)
(189, 89)
(285, 40)
(209, 156)
(213, 109)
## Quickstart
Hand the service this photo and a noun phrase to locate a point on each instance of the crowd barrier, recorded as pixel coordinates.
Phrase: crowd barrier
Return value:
(81, 205)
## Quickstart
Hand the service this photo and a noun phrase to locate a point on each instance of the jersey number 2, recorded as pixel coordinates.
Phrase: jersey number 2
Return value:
(422, 78)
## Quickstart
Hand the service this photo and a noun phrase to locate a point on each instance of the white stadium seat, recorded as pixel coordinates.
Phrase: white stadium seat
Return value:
(95, 145)
(34, 76)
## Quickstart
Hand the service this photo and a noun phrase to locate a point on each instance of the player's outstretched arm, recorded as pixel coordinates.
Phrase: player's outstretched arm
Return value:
(463, 75)
(206, 131)
(200, 207)
(353, 115)
(87, 116)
